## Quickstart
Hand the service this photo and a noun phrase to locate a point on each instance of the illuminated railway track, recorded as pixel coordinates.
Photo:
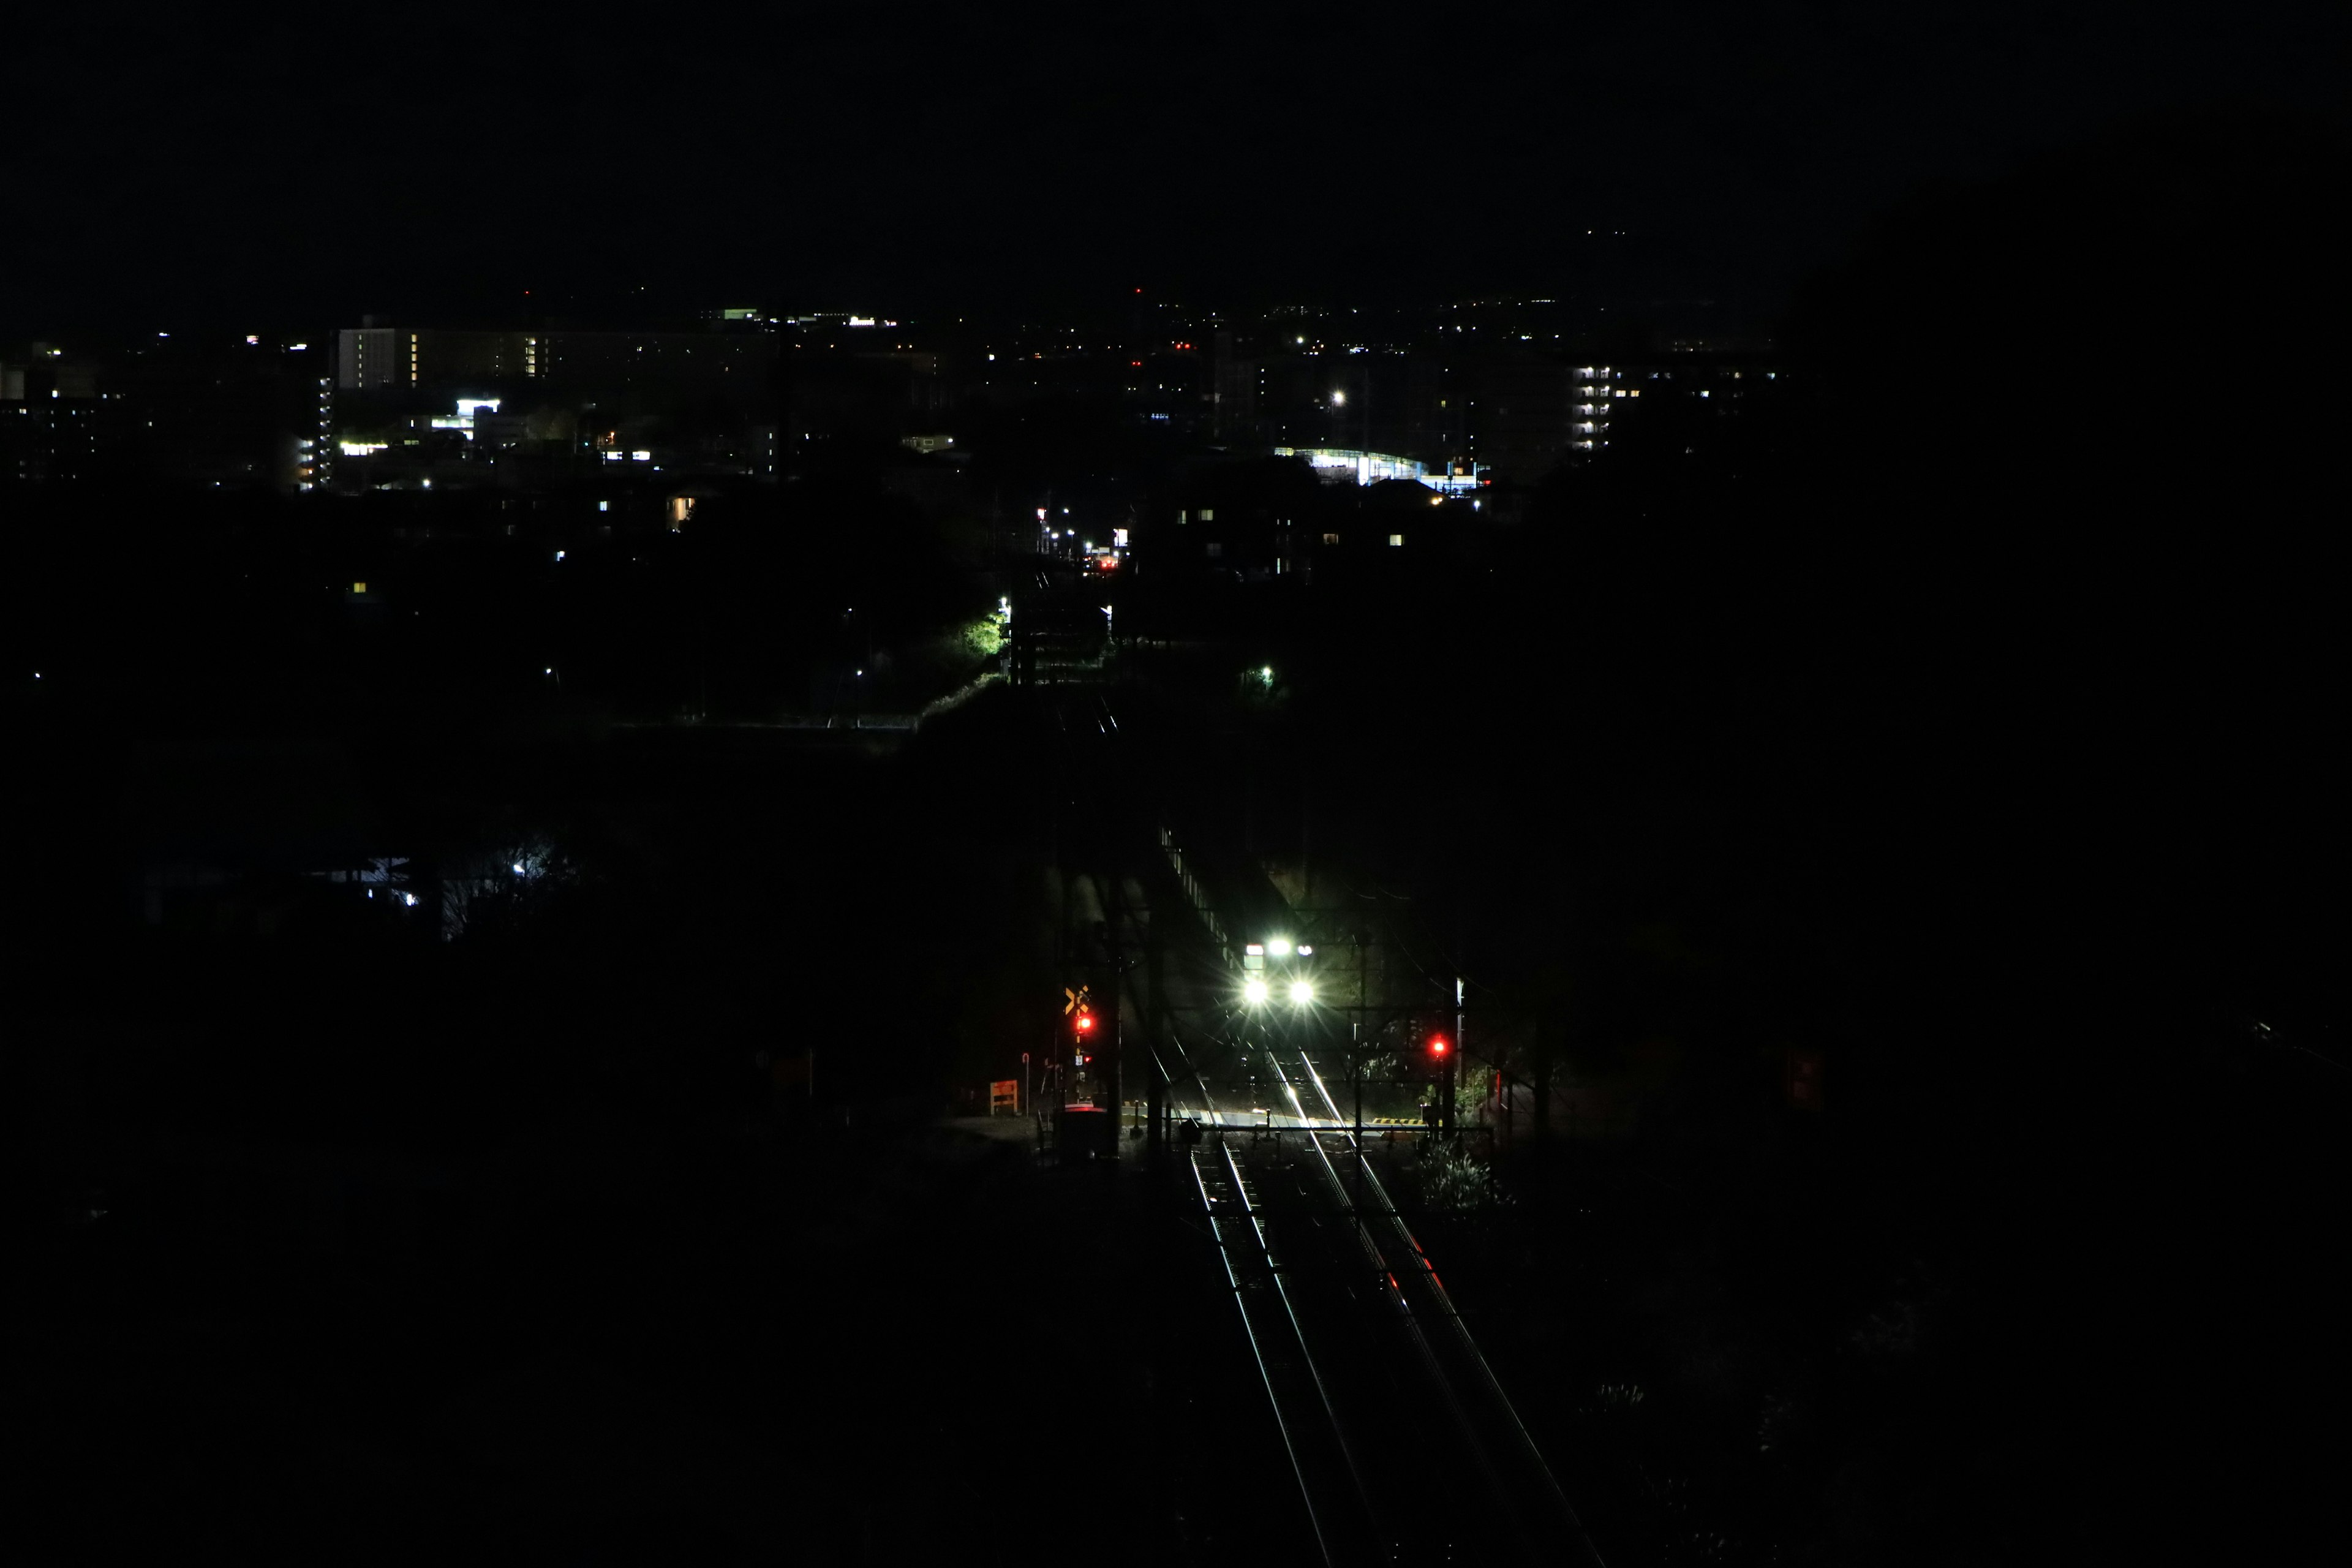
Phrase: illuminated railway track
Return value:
(1532, 1519)
(1366, 1341)
(1328, 1480)
(1403, 1444)
(1338, 1347)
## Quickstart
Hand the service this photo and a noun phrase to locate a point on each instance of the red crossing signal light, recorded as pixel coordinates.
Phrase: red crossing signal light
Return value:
(1437, 1047)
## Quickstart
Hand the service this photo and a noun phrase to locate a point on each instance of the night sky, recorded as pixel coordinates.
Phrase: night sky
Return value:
(220, 166)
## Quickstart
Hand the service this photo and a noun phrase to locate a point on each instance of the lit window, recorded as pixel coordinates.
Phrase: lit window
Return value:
(1208, 514)
(1330, 539)
(1396, 540)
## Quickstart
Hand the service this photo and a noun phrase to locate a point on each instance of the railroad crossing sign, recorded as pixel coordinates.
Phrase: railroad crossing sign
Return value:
(1078, 1000)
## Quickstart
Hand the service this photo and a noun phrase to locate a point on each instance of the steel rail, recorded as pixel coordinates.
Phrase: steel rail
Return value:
(1290, 1439)
(1367, 1514)
(1530, 1461)
(1306, 1350)
(1396, 1295)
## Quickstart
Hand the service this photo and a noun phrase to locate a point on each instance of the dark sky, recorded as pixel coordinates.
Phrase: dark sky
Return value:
(289, 163)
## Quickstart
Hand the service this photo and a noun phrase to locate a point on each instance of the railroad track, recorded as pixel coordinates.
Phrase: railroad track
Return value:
(1404, 1447)
(1330, 1482)
(1528, 1503)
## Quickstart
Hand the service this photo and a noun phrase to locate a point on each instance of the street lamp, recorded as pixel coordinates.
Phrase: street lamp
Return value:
(1302, 992)
(1254, 991)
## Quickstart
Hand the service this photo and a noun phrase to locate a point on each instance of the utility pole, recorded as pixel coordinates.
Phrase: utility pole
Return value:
(1115, 1079)
(1155, 1111)
(1156, 1033)
(1446, 1110)
(1356, 1072)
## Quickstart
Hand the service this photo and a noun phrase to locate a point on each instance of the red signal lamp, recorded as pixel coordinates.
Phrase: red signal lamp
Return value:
(1085, 1022)
(1437, 1047)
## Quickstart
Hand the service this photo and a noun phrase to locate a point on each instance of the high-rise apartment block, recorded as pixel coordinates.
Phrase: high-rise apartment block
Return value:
(370, 357)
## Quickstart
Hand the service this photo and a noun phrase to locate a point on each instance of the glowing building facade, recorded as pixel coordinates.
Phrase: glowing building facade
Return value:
(370, 357)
